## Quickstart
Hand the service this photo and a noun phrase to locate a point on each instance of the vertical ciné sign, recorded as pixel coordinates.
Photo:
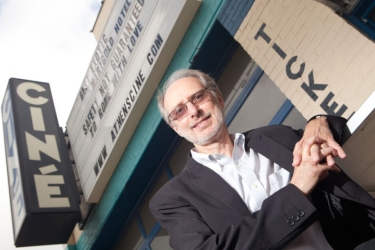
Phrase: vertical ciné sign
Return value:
(14, 175)
(38, 165)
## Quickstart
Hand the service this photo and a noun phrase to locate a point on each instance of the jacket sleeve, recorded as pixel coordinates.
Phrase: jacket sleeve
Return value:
(283, 216)
(272, 227)
(338, 127)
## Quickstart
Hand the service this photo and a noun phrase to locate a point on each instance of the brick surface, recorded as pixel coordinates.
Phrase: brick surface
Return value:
(310, 41)
(354, 83)
(338, 22)
(273, 75)
(366, 88)
(325, 43)
(269, 53)
(298, 39)
(336, 52)
(280, 78)
(303, 101)
(352, 52)
(368, 48)
(287, 26)
(277, 21)
(352, 36)
(324, 74)
(271, 66)
(324, 12)
(300, 22)
(295, 96)
(310, 5)
(307, 111)
(367, 66)
(292, 89)
(287, 5)
(371, 74)
(356, 62)
(339, 87)
(284, 86)
(299, 7)
(316, 28)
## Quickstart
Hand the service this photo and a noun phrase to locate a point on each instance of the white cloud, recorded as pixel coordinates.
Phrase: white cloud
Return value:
(47, 41)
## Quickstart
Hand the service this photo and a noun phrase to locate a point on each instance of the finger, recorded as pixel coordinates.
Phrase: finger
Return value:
(325, 154)
(334, 151)
(297, 153)
(330, 161)
(339, 151)
(313, 140)
(335, 169)
(315, 153)
(314, 150)
(325, 167)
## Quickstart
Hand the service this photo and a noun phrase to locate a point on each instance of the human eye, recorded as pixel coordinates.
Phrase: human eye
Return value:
(198, 97)
(178, 110)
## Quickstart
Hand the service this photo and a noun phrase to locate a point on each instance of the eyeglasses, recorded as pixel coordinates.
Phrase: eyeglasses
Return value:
(196, 99)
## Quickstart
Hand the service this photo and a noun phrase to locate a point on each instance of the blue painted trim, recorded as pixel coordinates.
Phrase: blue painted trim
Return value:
(197, 48)
(360, 25)
(362, 9)
(233, 13)
(369, 9)
(282, 113)
(150, 237)
(244, 94)
(169, 172)
(140, 226)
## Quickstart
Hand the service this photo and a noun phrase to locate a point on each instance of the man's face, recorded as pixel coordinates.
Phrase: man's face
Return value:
(203, 123)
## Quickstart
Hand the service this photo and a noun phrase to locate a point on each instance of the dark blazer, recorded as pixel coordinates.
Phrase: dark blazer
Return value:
(201, 211)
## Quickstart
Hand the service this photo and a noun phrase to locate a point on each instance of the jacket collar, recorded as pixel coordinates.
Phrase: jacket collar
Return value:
(212, 184)
(271, 149)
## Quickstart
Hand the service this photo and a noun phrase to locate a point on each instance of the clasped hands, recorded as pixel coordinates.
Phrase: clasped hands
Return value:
(314, 156)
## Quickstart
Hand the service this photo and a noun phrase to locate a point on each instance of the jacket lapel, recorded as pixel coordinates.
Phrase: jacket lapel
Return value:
(212, 184)
(271, 149)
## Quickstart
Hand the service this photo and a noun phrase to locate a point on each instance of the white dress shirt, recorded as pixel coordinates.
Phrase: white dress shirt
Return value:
(254, 177)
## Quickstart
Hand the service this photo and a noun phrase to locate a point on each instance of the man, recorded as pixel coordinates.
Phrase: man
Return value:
(242, 192)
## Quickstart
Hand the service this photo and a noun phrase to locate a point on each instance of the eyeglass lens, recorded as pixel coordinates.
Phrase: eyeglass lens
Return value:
(198, 98)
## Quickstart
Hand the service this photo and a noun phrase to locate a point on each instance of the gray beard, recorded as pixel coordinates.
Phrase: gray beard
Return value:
(202, 141)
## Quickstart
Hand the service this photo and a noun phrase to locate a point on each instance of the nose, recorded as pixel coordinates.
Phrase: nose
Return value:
(192, 109)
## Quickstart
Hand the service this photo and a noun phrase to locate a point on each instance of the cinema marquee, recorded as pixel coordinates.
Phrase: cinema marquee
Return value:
(43, 193)
(128, 63)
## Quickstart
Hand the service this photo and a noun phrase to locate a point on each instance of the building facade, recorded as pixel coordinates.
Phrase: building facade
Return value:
(276, 62)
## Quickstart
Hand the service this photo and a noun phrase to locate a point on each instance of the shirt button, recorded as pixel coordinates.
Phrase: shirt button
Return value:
(254, 185)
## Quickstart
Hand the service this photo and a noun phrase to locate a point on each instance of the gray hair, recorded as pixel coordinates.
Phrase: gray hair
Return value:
(206, 80)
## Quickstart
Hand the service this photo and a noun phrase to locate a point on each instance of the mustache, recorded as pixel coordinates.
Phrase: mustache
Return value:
(202, 116)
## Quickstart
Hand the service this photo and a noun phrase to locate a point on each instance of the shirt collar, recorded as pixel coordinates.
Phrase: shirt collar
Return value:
(238, 141)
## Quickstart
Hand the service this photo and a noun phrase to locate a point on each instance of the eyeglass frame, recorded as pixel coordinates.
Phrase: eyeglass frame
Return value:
(190, 99)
